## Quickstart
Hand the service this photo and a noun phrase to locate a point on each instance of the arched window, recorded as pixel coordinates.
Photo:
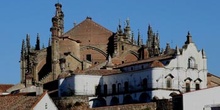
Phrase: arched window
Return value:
(105, 89)
(119, 87)
(197, 83)
(191, 63)
(144, 83)
(188, 84)
(113, 89)
(169, 78)
(98, 90)
(126, 86)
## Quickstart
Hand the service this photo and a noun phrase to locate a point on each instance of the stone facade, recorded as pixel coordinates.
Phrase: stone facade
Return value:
(86, 45)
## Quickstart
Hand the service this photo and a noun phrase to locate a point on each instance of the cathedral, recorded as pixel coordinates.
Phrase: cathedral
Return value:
(112, 68)
(86, 46)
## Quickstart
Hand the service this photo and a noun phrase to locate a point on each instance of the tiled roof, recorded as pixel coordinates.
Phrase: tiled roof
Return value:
(156, 63)
(99, 72)
(81, 28)
(159, 58)
(19, 101)
(4, 87)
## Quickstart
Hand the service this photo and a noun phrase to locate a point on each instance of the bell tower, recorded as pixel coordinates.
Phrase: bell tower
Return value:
(56, 32)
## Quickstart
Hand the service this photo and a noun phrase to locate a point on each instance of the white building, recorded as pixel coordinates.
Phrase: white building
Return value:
(27, 101)
(206, 99)
(160, 77)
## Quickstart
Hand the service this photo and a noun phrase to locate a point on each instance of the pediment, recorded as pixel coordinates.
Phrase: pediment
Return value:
(88, 29)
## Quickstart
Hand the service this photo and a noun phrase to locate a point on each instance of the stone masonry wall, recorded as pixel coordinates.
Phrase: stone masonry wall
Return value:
(143, 106)
(69, 103)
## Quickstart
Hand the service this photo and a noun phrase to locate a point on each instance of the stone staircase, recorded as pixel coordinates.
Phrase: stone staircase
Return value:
(47, 78)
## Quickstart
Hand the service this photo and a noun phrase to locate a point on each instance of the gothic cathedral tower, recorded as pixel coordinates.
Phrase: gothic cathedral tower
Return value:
(56, 32)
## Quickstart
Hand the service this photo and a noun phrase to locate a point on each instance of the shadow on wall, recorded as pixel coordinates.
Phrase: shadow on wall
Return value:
(125, 91)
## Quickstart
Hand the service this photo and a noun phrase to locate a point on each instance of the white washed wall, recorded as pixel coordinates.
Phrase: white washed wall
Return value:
(197, 100)
(79, 84)
(45, 103)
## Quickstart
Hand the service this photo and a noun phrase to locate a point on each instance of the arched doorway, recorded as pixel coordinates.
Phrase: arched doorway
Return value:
(99, 102)
(128, 99)
(144, 97)
(114, 101)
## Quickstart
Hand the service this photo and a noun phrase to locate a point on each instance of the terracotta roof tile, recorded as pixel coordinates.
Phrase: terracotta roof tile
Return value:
(19, 101)
(156, 63)
(159, 58)
(4, 87)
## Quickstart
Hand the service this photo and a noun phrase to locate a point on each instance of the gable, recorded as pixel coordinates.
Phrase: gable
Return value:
(89, 32)
(45, 103)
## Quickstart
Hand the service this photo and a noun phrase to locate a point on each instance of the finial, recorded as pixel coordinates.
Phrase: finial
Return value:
(128, 22)
(189, 38)
(149, 27)
(37, 46)
(138, 32)
(88, 17)
(177, 50)
(74, 24)
(49, 43)
(203, 54)
(119, 27)
(188, 33)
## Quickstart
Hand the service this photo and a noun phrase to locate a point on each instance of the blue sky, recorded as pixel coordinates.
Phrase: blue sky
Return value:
(171, 18)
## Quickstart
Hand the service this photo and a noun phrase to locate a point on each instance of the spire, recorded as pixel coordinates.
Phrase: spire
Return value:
(132, 38)
(127, 29)
(177, 50)
(139, 38)
(203, 54)
(58, 19)
(119, 28)
(168, 49)
(149, 42)
(49, 42)
(28, 44)
(150, 31)
(128, 22)
(23, 49)
(189, 38)
(37, 46)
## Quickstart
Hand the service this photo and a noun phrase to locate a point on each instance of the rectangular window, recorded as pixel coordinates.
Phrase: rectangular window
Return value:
(187, 87)
(197, 86)
(89, 57)
(122, 47)
(168, 83)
